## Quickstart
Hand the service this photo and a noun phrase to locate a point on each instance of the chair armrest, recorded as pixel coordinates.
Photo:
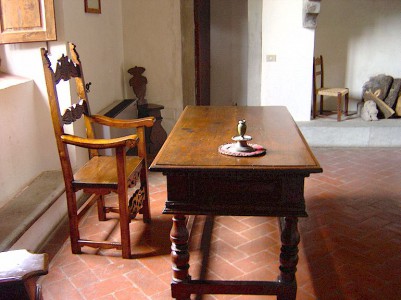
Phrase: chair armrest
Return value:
(129, 141)
(122, 123)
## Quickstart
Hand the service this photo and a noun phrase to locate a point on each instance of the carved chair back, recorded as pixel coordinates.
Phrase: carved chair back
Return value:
(67, 69)
(318, 73)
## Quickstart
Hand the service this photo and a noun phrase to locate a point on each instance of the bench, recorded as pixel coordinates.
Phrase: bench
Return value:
(20, 213)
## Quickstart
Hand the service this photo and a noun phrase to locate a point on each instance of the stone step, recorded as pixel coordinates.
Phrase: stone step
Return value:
(20, 213)
(351, 132)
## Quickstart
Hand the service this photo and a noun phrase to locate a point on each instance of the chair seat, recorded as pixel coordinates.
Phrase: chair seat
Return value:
(101, 172)
(332, 91)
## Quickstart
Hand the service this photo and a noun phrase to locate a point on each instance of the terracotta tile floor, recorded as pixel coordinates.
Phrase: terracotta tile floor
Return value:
(350, 243)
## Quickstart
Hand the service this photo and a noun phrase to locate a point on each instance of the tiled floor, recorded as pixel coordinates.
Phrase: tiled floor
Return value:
(350, 243)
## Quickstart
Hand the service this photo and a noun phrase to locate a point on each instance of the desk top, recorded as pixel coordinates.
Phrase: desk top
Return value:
(200, 130)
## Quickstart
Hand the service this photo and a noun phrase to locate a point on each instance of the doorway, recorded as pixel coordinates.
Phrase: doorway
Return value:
(228, 49)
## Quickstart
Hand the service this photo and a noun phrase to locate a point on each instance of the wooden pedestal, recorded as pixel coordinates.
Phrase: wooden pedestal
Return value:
(156, 135)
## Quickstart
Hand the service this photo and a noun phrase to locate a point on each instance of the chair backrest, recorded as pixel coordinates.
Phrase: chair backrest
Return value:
(66, 69)
(318, 73)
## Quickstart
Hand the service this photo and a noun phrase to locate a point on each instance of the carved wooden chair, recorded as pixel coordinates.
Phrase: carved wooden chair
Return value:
(101, 175)
(320, 90)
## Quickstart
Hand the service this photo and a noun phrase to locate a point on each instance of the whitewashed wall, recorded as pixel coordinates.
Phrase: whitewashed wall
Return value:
(255, 12)
(228, 52)
(27, 143)
(25, 138)
(288, 80)
(152, 39)
(99, 41)
(26, 131)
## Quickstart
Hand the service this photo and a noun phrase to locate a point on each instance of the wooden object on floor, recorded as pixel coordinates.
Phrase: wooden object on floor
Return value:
(19, 272)
(319, 89)
(398, 106)
(138, 83)
(200, 180)
(384, 108)
(156, 135)
(101, 175)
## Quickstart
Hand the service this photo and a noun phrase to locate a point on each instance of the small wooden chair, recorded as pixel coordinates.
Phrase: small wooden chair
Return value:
(101, 175)
(320, 90)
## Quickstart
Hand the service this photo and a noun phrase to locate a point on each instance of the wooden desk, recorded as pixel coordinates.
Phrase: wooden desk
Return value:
(200, 180)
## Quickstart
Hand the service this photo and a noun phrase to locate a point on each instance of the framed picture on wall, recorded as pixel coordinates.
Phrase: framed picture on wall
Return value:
(93, 6)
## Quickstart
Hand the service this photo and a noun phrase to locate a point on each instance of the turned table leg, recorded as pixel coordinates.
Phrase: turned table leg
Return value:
(180, 257)
(289, 257)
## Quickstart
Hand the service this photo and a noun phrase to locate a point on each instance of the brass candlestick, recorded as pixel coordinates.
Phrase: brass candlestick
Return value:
(242, 139)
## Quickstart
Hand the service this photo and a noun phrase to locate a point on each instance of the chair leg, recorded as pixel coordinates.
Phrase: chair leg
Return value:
(339, 107)
(314, 106)
(73, 221)
(124, 224)
(145, 210)
(346, 104)
(321, 105)
(100, 208)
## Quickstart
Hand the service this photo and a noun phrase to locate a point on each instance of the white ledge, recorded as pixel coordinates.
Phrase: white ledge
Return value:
(8, 80)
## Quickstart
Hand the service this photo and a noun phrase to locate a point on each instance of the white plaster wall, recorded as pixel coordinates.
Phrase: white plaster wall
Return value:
(99, 41)
(255, 10)
(28, 145)
(288, 81)
(358, 39)
(152, 39)
(25, 140)
(188, 50)
(228, 52)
